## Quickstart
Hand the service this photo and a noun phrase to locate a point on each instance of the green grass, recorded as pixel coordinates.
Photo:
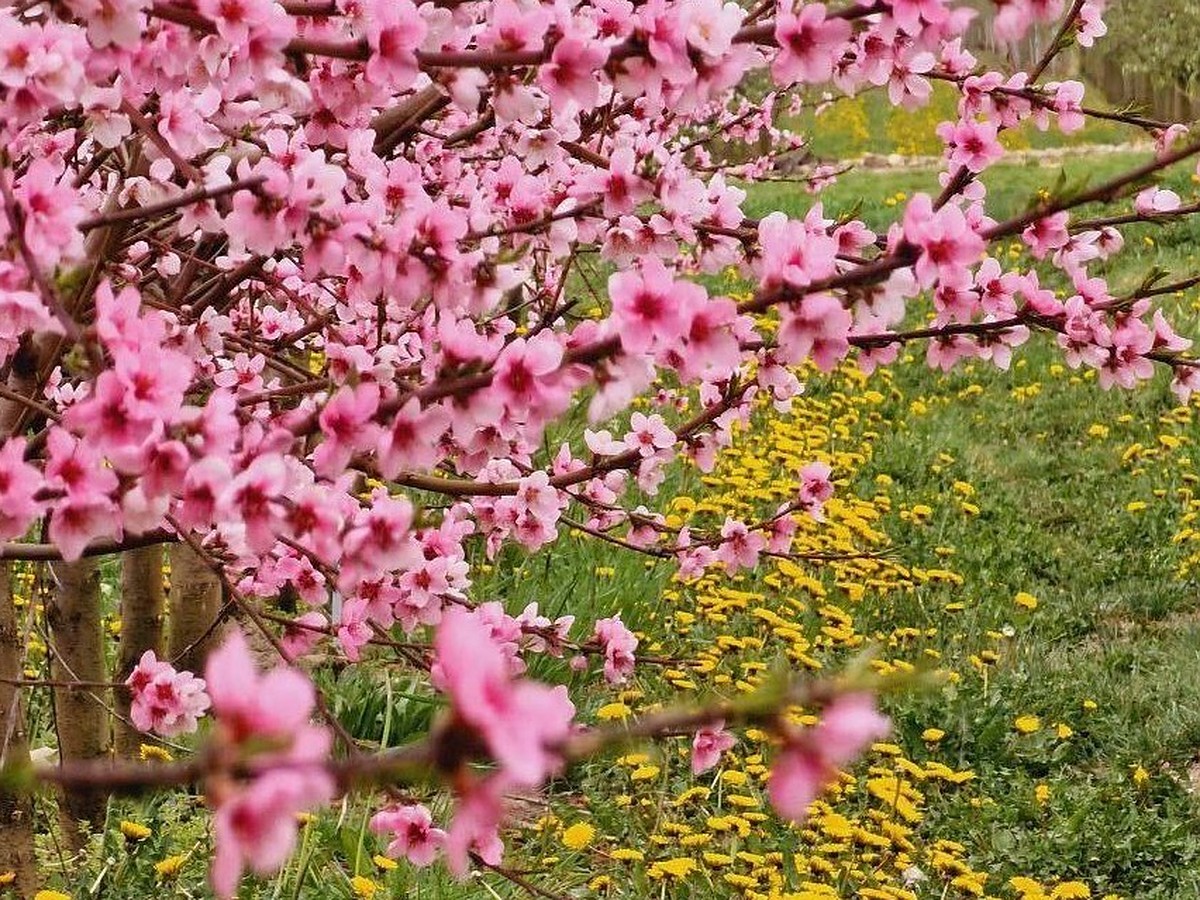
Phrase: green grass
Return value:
(1114, 626)
(853, 126)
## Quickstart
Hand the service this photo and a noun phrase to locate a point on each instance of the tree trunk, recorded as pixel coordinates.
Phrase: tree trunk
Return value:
(16, 809)
(195, 603)
(142, 601)
(82, 722)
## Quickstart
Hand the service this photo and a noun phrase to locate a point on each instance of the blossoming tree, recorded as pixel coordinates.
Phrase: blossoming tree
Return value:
(292, 288)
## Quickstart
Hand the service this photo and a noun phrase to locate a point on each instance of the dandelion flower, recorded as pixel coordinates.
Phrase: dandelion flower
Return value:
(578, 836)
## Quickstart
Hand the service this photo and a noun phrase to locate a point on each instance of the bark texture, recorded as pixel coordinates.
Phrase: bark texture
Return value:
(16, 809)
(142, 605)
(78, 655)
(195, 603)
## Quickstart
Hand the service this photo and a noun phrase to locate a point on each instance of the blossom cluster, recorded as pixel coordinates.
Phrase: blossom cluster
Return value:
(274, 274)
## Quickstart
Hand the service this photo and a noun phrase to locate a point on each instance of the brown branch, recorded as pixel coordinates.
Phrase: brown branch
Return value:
(151, 210)
(1057, 44)
(50, 552)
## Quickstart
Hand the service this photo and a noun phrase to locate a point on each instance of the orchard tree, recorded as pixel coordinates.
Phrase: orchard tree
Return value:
(299, 289)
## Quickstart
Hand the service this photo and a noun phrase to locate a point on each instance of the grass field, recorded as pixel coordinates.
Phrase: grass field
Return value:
(852, 126)
(1029, 581)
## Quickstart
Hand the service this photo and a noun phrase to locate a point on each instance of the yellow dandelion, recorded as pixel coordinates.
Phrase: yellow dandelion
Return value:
(384, 862)
(932, 735)
(611, 711)
(578, 836)
(7, 877)
(627, 854)
(680, 867)
(1027, 887)
(170, 866)
(152, 752)
(134, 831)
(51, 895)
(1071, 890)
(1027, 724)
(1025, 600)
(363, 887)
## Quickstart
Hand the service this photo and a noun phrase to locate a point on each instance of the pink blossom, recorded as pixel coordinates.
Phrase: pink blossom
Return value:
(354, 627)
(909, 14)
(620, 187)
(237, 19)
(1090, 25)
(1084, 335)
(782, 530)
(1126, 362)
(809, 761)
(184, 121)
(710, 26)
(524, 374)
(520, 721)
(395, 30)
(906, 86)
(708, 744)
(1067, 102)
(809, 44)
(111, 418)
(1165, 336)
(1165, 138)
(543, 635)
(52, 214)
(266, 715)
(515, 26)
(815, 488)
(648, 434)
(1046, 234)
(19, 485)
(412, 833)
(299, 638)
(1185, 382)
(649, 306)
(711, 347)
(112, 22)
(476, 824)
(1156, 201)
(944, 352)
(379, 539)
(247, 705)
(618, 644)
(945, 238)
(793, 254)
(1012, 21)
(255, 497)
(21, 312)
(256, 828)
(818, 327)
(570, 76)
(346, 426)
(77, 521)
(970, 144)
(410, 439)
(740, 546)
(164, 700)
(797, 776)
